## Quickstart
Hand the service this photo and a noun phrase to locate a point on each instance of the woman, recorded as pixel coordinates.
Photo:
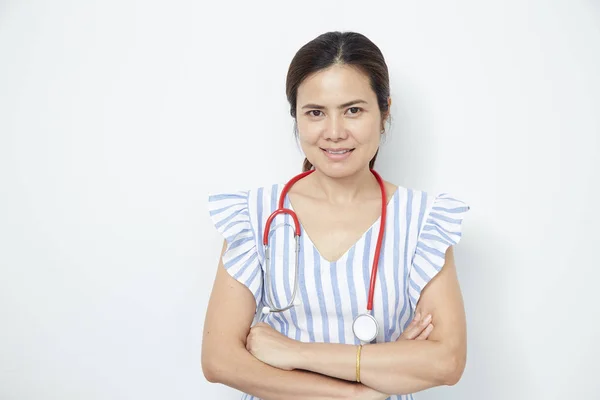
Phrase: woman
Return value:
(338, 89)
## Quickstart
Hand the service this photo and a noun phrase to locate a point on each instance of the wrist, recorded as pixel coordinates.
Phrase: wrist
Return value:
(302, 354)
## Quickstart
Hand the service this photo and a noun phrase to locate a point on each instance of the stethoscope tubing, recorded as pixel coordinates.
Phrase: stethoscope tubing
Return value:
(297, 232)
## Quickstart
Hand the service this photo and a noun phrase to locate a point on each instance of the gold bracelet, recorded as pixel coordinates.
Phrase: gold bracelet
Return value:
(358, 363)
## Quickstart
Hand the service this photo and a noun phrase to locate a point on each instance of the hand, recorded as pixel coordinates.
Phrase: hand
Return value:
(418, 329)
(271, 347)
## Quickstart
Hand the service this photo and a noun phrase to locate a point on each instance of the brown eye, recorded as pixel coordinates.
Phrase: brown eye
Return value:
(312, 111)
(357, 110)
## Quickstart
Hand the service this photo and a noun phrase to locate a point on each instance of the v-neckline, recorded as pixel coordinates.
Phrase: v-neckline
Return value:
(360, 238)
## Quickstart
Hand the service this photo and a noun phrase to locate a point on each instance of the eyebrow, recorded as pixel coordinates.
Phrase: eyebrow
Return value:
(319, 107)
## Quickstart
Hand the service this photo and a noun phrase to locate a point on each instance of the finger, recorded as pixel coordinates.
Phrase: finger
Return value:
(407, 335)
(415, 320)
(416, 327)
(413, 330)
(426, 332)
(426, 321)
(413, 324)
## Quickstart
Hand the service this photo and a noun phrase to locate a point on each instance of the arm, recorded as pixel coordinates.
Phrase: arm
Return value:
(405, 366)
(225, 359)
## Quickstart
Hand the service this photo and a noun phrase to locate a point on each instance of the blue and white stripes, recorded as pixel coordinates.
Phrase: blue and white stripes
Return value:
(441, 229)
(229, 213)
(419, 229)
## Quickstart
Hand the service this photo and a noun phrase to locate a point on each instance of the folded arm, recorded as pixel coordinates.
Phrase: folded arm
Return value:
(405, 366)
(225, 359)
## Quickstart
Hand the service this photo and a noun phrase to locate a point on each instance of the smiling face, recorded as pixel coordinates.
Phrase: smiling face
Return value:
(339, 121)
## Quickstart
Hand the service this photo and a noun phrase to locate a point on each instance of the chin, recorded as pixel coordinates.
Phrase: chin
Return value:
(338, 170)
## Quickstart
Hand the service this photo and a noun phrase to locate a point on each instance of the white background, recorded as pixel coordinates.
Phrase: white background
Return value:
(118, 117)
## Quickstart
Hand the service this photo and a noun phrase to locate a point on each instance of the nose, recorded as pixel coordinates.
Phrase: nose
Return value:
(336, 129)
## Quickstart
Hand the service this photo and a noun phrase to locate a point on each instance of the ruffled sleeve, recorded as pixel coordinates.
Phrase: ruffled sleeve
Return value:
(230, 215)
(441, 229)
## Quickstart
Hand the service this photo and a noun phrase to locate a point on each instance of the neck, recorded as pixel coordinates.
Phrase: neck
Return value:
(345, 190)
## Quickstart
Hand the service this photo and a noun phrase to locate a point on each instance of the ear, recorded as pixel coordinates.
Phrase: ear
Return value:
(387, 114)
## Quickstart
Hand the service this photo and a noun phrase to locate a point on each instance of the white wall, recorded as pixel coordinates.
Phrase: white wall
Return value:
(117, 118)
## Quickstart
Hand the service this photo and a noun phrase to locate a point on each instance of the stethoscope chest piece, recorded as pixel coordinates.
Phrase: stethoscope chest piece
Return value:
(365, 327)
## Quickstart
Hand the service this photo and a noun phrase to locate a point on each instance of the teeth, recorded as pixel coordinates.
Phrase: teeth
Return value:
(337, 152)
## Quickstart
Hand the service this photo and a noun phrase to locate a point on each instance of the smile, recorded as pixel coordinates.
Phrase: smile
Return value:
(337, 151)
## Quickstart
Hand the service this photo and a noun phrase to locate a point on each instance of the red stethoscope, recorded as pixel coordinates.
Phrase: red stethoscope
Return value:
(365, 326)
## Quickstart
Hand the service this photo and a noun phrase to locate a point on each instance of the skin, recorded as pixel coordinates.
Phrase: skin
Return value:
(335, 204)
(401, 367)
(341, 199)
(227, 360)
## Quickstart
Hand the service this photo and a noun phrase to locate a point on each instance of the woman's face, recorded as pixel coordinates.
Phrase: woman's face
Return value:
(339, 121)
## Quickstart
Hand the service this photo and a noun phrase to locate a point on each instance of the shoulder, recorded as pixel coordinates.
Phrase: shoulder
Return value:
(421, 206)
(254, 201)
(438, 226)
(409, 198)
(262, 192)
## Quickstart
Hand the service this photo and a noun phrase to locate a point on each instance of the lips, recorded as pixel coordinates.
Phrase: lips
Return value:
(337, 151)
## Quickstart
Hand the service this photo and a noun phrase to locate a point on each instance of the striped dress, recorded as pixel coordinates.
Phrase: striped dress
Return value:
(419, 228)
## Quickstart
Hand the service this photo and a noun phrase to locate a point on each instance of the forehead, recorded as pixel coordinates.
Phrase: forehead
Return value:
(334, 83)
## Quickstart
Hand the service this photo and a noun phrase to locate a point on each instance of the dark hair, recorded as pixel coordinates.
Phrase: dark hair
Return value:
(343, 48)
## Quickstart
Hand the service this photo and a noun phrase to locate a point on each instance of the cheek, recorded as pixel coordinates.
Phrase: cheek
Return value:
(308, 133)
(367, 134)
(368, 138)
